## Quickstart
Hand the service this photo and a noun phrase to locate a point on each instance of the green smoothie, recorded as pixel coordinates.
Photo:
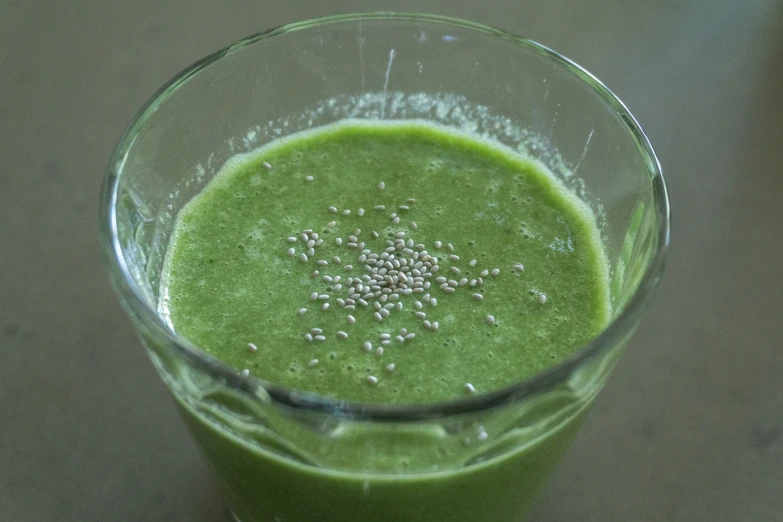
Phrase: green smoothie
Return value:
(384, 263)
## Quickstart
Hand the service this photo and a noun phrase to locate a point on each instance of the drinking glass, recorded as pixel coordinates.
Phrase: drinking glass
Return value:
(283, 455)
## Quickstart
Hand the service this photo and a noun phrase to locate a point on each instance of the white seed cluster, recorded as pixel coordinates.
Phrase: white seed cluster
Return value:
(385, 274)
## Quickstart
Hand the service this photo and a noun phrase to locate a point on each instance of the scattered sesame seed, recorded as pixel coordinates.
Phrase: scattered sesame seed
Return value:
(325, 306)
(386, 342)
(478, 297)
(470, 388)
(245, 372)
(301, 311)
(267, 165)
(374, 234)
(427, 324)
(304, 237)
(411, 200)
(308, 337)
(309, 178)
(379, 351)
(336, 260)
(252, 347)
(332, 209)
(381, 185)
(518, 267)
(433, 301)
(490, 319)
(323, 297)
(450, 247)
(400, 338)
(404, 207)
(291, 252)
(495, 272)
(342, 335)
(435, 325)
(331, 224)
(384, 312)
(377, 316)
(385, 336)
(319, 338)
(463, 281)
(316, 331)
(410, 336)
(482, 436)
(314, 296)
(472, 263)
(453, 257)
(542, 298)
(351, 319)
(484, 273)
(312, 363)
(438, 244)
(347, 212)
(310, 252)
(367, 346)
(417, 305)
(349, 267)
(413, 225)
(455, 269)
(396, 220)
(292, 239)
(390, 367)
(372, 379)
(449, 290)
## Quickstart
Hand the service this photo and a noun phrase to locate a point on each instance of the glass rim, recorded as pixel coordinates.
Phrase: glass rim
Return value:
(619, 326)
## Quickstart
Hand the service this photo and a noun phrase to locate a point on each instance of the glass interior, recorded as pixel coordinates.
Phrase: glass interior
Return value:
(458, 74)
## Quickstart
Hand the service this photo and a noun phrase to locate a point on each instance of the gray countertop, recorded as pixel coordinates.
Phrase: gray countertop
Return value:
(690, 427)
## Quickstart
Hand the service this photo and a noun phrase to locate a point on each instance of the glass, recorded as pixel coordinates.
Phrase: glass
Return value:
(283, 455)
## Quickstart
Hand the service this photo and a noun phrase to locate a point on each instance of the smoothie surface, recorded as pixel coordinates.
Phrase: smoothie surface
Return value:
(450, 265)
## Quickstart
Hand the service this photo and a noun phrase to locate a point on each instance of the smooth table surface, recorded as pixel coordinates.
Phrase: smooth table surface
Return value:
(688, 429)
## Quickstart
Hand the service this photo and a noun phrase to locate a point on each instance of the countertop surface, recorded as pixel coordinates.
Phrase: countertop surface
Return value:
(690, 426)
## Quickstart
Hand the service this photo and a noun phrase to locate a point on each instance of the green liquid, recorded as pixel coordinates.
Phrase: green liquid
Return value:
(230, 281)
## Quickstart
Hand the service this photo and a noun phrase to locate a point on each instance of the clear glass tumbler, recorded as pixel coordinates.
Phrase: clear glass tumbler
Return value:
(282, 455)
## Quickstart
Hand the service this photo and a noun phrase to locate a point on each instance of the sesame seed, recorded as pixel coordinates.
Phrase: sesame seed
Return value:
(518, 267)
(413, 225)
(291, 252)
(292, 239)
(400, 338)
(470, 388)
(396, 220)
(347, 212)
(331, 224)
(472, 263)
(314, 296)
(381, 185)
(438, 244)
(377, 316)
(450, 247)
(310, 252)
(319, 338)
(380, 207)
(427, 324)
(398, 305)
(452, 283)
(453, 257)
(363, 302)
(372, 379)
(327, 278)
(478, 297)
(495, 272)
(449, 290)
(301, 311)
(379, 351)
(542, 298)
(484, 273)
(472, 282)
(349, 267)
(404, 207)
(332, 209)
(252, 347)
(433, 301)
(411, 200)
(390, 367)
(482, 436)
(435, 325)
(440, 280)
(386, 342)
(309, 178)
(312, 363)
(322, 262)
(336, 260)
(417, 305)
(385, 336)
(316, 331)
(314, 235)
(304, 237)
(338, 241)
(455, 269)
(367, 346)
(325, 306)
(421, 315)
(374, 234)
(463, 282)
(324, 297)
(490, 319)
(480, 281)
(245, 372)
(308, 337)
(384, 312)
(342, 335)
(351, 319)
(267, 165)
